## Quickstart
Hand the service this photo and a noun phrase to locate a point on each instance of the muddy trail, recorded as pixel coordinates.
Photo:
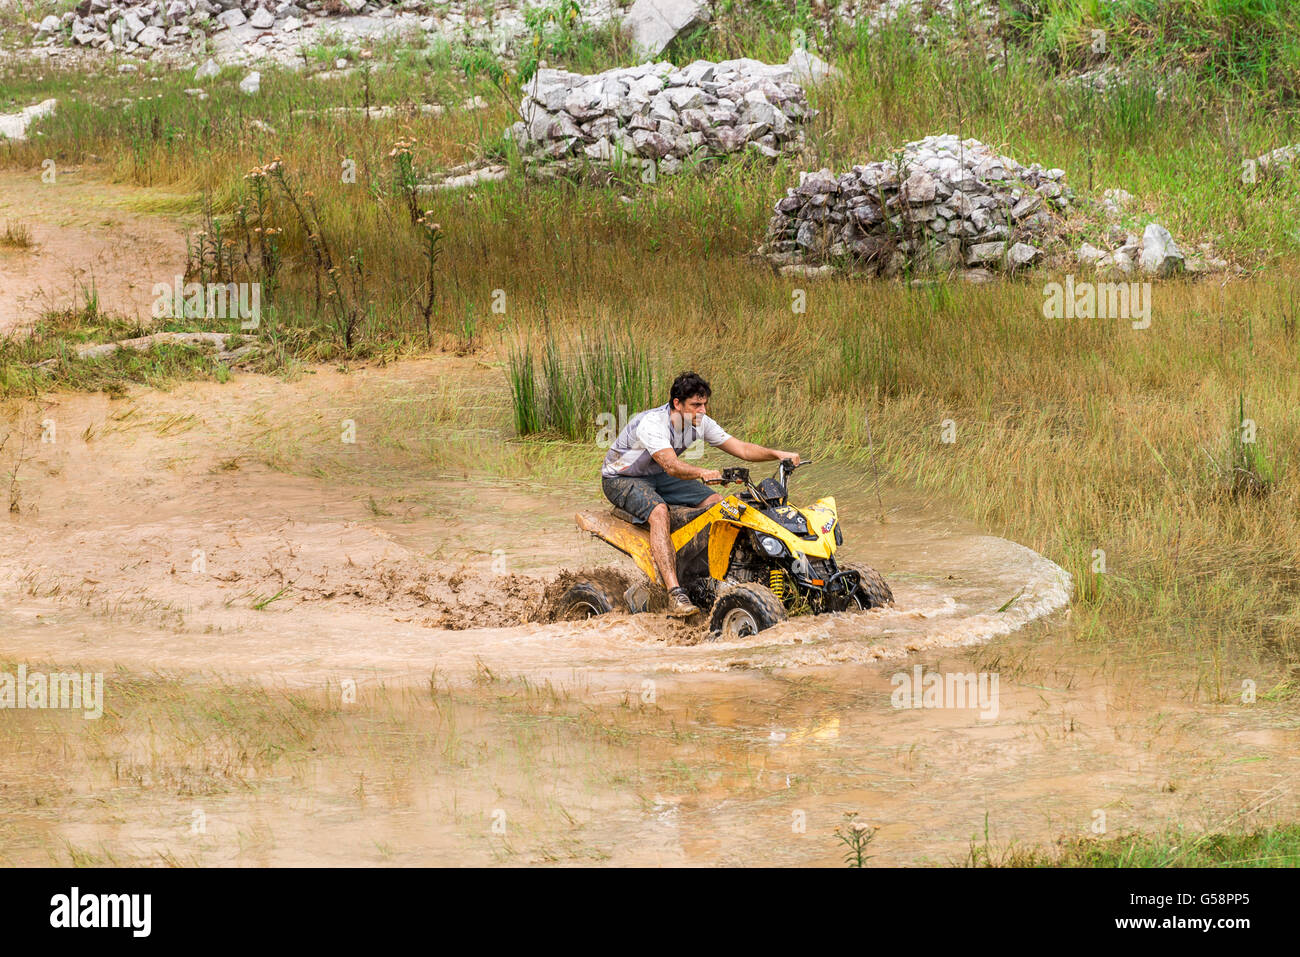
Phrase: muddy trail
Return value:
(227, 533)
(148, 536)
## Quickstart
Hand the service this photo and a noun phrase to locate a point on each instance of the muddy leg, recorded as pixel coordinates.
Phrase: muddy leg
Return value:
(661, 546)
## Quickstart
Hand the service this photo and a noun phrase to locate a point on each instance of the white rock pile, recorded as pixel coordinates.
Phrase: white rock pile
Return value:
(658, 113)
(921, 13)
(274, 28)
(114, 26)
(940, 203)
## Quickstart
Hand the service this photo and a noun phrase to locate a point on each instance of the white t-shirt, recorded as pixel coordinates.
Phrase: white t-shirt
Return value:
(649, 431)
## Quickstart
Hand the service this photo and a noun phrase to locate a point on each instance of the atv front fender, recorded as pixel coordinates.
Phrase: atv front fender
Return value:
(722, 536)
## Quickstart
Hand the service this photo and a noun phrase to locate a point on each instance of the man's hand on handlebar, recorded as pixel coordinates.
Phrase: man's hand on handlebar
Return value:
(791, 457)
(712, 476)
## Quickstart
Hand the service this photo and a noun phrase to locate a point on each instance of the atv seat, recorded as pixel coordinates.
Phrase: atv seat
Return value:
(678, 516)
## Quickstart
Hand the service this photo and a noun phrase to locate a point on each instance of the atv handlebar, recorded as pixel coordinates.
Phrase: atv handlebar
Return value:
(730, 475)
(787, 467)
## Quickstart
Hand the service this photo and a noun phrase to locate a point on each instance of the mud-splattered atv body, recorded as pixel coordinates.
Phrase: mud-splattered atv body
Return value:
(750, 561)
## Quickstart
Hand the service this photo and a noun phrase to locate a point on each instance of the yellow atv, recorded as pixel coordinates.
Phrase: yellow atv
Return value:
(750, 561)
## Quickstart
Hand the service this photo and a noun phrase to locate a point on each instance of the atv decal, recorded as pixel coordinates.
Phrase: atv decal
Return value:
(826, 529)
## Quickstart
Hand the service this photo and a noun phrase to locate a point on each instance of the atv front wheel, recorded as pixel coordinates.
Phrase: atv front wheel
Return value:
(744, 610)
(872, 591)
(584, 600)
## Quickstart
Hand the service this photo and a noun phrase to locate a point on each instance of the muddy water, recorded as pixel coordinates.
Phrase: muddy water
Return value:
(152, 537)
(86, 238)
(126, 563)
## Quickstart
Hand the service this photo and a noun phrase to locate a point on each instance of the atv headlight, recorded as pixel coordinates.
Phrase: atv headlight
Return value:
(839, 538)
(772, 547)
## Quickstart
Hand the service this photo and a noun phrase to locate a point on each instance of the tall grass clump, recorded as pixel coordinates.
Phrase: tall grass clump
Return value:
(1249, 472)
(598, 375)
(525, 396)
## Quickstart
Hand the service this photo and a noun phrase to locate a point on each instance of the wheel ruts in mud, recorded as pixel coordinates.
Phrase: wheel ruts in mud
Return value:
(744, 609)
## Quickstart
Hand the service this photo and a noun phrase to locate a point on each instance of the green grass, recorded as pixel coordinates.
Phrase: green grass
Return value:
(1266, 847)
(1227, 46)
(57, 336)
(583, 385)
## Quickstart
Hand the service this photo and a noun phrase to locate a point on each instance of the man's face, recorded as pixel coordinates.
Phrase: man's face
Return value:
(692, 409)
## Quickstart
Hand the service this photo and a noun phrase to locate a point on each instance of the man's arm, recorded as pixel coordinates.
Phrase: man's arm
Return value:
(675, 467)
(755, 453)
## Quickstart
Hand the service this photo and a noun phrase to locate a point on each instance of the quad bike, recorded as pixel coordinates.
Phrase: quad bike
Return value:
(749, 561)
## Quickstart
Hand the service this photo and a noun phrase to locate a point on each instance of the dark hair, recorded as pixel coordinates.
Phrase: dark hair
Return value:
(687, 386)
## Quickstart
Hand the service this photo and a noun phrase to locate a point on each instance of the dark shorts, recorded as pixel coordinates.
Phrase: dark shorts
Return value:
(639, 494)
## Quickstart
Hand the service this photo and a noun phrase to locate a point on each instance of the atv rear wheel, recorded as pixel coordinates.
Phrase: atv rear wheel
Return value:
(744, 609)
(582, 600)
(872, 591)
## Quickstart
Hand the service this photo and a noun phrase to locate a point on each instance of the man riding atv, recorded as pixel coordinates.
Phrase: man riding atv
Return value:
(643, 473)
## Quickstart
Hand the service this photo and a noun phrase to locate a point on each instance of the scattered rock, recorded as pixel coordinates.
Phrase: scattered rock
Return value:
(810, 69)
(218, 340)
(459, 177)
(800, 271)
(921, 14)
(1116, 201)
(251, 84)
(1275, 162)
(656, 23)
(207, 71)
(13, 126)
(1160, 256)
(1090, 255)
